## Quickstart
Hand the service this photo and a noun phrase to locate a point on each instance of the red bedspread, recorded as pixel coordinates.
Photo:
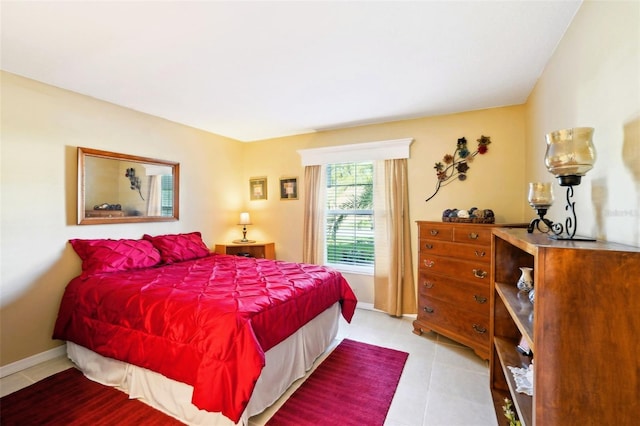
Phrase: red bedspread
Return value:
(205, 322)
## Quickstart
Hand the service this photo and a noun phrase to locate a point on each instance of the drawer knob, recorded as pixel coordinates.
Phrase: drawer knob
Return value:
(428, 284)
(434, 232)
(481, 253)
(429, 246)
(479, 329)
(473, 235)
(479, 273)
(429, 263)
(480, 299)
(428, 309)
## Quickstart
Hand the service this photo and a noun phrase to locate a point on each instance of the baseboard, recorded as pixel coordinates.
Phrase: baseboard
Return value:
(25, 363)
(369, 307)
(365, 306)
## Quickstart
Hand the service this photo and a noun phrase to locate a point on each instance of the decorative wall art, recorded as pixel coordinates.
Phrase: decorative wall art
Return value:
(134, 181)
(289, 188)
(456, 165)
(258, 188)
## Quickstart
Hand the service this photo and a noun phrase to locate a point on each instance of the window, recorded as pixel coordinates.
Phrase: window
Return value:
(166, 195)
(349, 231)
(334, 175)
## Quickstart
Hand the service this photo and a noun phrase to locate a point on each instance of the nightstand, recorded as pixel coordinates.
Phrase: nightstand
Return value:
(258, 249)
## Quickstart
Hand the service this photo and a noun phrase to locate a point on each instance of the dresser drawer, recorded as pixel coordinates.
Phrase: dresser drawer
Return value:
(466, 327)
(472, 235)
(436, 231)
(465, 295)
(462, 251)
(476, 271)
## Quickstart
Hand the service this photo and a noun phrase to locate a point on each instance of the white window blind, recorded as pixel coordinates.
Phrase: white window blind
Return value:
(166, 195)
(349, 233)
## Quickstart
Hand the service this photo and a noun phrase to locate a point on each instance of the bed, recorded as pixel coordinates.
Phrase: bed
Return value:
(207, 338)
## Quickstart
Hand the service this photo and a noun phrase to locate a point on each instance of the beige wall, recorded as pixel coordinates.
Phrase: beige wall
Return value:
(41, 128)
(103, 176)
(495, 180)
(593, 80)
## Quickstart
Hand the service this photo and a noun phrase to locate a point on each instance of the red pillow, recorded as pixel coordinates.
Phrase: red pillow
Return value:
(179, 247)
(100, 256)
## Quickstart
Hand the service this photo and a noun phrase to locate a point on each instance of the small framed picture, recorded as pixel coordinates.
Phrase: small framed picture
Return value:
(258, 188)
(289, 188)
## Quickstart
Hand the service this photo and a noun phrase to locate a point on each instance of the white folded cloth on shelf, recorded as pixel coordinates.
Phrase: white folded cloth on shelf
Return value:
(523, 378)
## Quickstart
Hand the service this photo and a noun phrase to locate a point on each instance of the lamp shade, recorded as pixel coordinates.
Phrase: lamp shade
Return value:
(570, 154)
(245, 219)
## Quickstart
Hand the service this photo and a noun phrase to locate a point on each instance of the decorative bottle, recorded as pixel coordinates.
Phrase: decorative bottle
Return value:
(525, 282)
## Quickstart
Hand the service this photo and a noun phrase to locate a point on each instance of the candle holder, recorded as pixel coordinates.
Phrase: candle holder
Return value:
(540, 198)
(570, 155)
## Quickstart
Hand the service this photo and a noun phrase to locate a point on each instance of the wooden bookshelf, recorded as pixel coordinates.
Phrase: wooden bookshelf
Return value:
(582, 329)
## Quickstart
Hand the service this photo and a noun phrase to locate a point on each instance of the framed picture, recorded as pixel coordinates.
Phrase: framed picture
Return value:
(289, 188)
(258, 188)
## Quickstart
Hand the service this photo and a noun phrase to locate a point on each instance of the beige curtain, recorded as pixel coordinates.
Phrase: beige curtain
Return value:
(313, 237)
(155, 195)
(395, 291)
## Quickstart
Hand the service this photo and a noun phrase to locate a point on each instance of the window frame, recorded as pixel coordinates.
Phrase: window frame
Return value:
(365, 151)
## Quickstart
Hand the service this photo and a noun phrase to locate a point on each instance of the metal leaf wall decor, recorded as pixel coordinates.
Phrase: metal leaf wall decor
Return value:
(456, 166)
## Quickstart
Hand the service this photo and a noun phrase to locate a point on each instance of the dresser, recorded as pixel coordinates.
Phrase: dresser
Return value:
(454, 275)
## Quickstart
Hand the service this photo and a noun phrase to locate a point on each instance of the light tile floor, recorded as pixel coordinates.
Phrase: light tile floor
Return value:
(443, 383)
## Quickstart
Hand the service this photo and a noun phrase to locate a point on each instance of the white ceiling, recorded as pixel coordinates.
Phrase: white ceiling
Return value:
(257, 70)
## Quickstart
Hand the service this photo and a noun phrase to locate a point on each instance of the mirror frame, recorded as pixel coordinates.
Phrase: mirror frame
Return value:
(88, 152)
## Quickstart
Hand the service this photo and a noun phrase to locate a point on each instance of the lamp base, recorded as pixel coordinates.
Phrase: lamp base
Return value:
(243, 241)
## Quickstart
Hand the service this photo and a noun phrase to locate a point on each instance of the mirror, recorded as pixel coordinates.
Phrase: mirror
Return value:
(120, 188)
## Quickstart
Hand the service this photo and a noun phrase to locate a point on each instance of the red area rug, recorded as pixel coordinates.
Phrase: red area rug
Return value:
(69, 398)
(353, 386)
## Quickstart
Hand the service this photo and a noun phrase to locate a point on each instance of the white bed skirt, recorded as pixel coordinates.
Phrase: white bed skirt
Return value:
(285, 363)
